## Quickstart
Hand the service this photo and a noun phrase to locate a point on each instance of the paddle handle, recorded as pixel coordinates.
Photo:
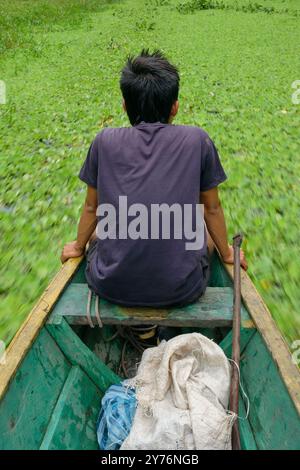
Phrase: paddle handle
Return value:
(236, 330)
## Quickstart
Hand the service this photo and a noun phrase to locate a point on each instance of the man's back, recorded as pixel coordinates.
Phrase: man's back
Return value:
(144, 183)
(159, 166)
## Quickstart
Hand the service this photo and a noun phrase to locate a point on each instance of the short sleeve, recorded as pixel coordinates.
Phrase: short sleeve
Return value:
(89, 170)
(212, 172)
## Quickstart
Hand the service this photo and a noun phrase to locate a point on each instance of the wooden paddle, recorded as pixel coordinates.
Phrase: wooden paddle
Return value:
(236, 328)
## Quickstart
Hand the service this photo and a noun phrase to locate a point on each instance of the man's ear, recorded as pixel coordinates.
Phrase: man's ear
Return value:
(174, 110)
(124, 105)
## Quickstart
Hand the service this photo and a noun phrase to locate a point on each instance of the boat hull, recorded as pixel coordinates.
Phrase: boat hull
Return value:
(56, 374)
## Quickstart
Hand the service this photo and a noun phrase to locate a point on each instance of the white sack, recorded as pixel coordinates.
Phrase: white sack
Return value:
(182, 389)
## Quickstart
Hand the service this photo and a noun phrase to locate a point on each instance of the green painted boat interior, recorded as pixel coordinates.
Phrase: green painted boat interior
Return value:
(54, 399)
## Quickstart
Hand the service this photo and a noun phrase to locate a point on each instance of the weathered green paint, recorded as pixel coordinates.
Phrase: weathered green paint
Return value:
(273, 417)
(79, 354)
(32, 395)
(272, 414)
(54, 399)
(211, 310)
(73, 422)
(49, 403)
(246, 335)
(246, 432)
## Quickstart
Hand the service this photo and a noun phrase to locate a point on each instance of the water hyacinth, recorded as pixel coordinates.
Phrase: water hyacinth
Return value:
(60, 61)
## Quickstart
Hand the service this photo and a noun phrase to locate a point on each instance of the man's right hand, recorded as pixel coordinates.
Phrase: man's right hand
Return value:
(71, 250)
(229, 258)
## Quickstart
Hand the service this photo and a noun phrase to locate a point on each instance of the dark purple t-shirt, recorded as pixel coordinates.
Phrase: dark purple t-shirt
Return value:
(150, 163)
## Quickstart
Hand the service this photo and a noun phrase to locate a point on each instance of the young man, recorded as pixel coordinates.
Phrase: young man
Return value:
(153, 164)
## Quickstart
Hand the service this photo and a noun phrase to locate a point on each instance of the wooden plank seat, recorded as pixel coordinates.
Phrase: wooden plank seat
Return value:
(214, 309)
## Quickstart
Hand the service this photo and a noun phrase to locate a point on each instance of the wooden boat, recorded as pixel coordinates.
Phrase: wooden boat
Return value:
(57, 367)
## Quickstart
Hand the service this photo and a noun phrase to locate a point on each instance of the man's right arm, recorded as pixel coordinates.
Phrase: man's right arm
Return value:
(216, 225)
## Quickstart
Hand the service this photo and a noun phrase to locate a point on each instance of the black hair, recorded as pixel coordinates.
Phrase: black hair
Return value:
(149, 85)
